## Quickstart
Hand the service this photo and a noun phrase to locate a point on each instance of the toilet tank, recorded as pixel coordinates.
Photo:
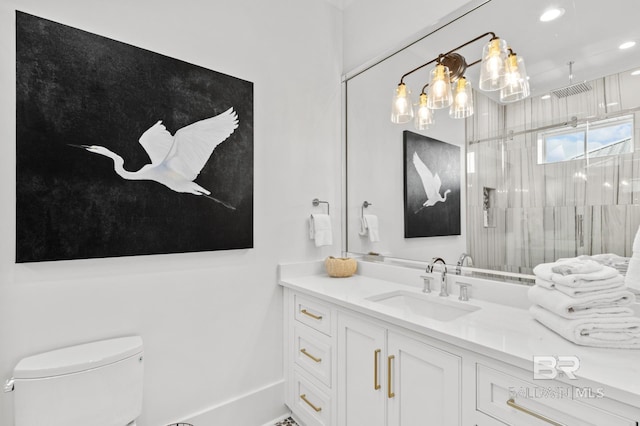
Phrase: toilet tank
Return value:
(94, 384)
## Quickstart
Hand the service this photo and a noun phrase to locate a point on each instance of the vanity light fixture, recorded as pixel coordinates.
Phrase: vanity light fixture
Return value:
(517, 87)
(551, 14)
(401, 107)
(462, 106)
(501, 69)
(424, 115)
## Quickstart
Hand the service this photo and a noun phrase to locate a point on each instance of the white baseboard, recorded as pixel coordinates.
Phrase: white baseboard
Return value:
(257, 408)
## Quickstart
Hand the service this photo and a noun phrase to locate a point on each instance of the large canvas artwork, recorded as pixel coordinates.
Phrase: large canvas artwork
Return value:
(431, 187)
(122, 151)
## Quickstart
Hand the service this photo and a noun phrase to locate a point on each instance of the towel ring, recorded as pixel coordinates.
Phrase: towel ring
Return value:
(364, 206)
(317, 202)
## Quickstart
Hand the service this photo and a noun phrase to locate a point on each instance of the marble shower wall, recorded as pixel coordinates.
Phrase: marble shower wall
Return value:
(540, 212)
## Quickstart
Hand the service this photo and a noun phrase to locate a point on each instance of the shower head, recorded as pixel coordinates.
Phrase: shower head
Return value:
(574, 89)
(571, 89)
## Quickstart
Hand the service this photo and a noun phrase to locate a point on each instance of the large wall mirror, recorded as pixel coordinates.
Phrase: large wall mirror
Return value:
(554, 175)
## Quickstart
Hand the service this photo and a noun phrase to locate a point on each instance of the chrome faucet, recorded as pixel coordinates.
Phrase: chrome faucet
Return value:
(460, 264)
(443, 274)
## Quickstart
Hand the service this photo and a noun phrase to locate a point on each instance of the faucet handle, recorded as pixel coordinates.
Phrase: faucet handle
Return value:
(464, 295)
(427, 283)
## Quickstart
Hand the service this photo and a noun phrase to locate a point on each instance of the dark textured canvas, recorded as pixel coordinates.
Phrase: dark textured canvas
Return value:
(78, 88)
(436, 159)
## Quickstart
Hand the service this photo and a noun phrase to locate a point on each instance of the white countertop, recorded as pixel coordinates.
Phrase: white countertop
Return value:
(506, 333)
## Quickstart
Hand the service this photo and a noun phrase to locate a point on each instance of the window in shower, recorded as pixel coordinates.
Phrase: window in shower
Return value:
(613, 136)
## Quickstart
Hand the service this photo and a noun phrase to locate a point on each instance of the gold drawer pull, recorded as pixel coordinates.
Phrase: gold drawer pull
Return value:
(304, 398)
(304, 351)
(376, 356)
(307, 313)
(512, 403)
(390, 359)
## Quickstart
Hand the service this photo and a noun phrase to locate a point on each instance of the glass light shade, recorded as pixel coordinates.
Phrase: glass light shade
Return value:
(492, 68)
(401, 105)
(439, 95)
(424, 116)
(462, 106)
(517, 87)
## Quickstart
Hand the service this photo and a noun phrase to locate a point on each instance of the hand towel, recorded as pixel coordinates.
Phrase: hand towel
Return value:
(320, 229)
(369, 225)
(545, 271)
(632, 278)
(615, 303)
(604, 332)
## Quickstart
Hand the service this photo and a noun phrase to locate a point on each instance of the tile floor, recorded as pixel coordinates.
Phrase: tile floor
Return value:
(287, 422)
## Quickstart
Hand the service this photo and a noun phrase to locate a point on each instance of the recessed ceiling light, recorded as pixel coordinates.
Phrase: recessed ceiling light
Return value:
(551, 14)
(627, 44)
(636, 72)
(545, 97)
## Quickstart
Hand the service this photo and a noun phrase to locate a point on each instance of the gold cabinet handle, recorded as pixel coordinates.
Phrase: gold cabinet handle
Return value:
(390, 359)
(304, 351)
(309, 314)
(512, 403)
(304, 398)
(376, 357)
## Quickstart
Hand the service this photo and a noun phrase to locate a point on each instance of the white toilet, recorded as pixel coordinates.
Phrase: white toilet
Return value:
(95, 384)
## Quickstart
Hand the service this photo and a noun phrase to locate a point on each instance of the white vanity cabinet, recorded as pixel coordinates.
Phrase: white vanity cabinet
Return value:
(507, 395)
(348, 367)
(388, 378)
(309, 353)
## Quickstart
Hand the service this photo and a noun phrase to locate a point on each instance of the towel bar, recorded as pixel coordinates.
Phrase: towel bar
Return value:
(317, 202)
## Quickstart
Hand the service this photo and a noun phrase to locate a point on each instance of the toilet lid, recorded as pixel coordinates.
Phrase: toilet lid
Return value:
(78, 358)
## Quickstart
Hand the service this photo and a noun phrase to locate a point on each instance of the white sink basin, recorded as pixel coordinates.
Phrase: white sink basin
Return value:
(434, 307)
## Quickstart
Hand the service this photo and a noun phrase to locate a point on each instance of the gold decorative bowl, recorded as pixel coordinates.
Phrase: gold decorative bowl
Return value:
(340, 267)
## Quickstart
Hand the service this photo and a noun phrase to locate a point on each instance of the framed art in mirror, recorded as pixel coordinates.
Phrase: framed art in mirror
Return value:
(431, 187)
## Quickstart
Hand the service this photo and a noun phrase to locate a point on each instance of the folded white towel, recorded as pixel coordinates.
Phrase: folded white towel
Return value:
(369, 225)
(545, 271)
(604, 332)
(576, 266)
(604, 286)
(614, 303)
(632, 278)
(320, 229)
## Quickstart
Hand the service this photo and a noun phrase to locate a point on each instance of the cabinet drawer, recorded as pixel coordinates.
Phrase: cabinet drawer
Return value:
(311, 403)
(313, 313)
(543, 403)
(313, 352)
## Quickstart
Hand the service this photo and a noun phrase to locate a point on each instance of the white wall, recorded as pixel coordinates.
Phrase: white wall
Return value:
(375, 27)
(211, 322)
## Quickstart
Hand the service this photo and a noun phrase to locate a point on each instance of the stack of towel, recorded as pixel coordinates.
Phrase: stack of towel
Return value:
(632, 279)
(585, 302)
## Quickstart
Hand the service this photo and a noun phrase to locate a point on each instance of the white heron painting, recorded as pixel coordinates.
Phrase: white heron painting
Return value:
(432, 187)
(431, 183)
(121, 151)
(177, 160)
